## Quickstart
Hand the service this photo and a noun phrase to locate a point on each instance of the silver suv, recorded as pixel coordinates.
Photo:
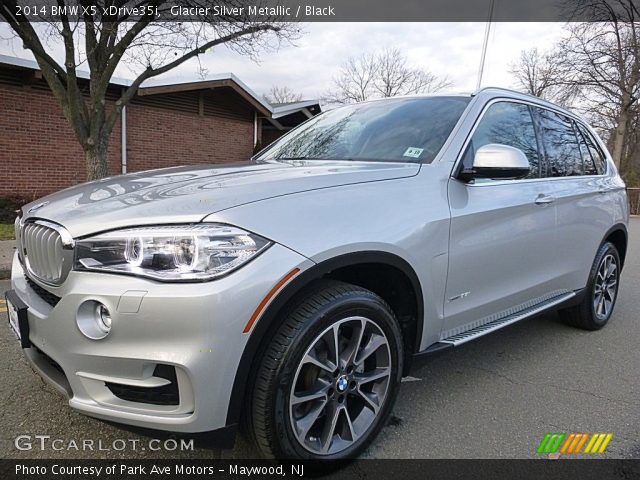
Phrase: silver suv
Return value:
(293, 292)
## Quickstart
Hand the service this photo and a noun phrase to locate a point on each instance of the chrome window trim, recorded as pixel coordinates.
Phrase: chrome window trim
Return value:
(488, 182)
(523, 180)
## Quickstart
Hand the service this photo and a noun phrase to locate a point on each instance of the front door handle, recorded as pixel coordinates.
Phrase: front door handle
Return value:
(544, 199)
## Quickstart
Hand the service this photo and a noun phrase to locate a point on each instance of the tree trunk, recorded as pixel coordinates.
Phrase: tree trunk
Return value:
(97, 160)
(619, 138)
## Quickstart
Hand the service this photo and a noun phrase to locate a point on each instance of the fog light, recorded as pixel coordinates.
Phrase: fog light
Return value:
(103, 318)
(94, 320)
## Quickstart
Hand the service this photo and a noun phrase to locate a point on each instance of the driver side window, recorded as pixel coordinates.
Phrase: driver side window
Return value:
(506, 123)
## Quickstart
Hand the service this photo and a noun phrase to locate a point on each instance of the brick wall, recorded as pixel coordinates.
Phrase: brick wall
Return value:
(39, 153)
(159, 138)
(38, 150)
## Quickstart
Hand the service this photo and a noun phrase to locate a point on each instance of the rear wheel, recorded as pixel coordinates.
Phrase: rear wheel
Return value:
(601, 292)
(329, 377)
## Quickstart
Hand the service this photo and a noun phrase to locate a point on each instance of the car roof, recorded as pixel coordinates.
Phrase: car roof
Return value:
(489, 93)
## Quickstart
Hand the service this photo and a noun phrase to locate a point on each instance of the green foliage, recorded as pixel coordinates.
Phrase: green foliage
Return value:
(8, 207)
(6, 231)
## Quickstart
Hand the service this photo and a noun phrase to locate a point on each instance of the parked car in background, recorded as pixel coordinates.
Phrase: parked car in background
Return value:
(294, 292)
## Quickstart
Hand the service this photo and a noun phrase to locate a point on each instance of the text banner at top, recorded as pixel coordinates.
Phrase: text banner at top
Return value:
(319, 10)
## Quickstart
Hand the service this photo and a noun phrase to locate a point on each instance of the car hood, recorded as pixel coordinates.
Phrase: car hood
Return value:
(188, 194)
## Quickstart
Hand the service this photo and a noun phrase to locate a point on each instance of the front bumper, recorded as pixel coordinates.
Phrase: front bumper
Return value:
(196, 328)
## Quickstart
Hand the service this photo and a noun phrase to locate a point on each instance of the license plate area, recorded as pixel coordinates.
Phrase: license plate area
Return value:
(17, 316)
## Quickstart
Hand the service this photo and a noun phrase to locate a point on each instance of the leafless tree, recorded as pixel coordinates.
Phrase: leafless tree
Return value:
(604, 56)
(283, 94)
(354, 81)
(395, 77)
(383, 74)
(631, 162)
(100, 43)
(544, 74)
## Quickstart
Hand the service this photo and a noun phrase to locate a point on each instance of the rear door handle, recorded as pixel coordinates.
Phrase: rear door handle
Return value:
(544, 199)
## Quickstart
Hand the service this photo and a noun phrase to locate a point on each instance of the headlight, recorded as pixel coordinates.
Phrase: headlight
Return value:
(170, 253)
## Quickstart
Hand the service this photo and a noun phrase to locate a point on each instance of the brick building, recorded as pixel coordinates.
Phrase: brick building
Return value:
(213, 121)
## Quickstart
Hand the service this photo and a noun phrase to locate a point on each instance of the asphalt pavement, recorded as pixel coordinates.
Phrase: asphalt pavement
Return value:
(7, 248)
(495, 397)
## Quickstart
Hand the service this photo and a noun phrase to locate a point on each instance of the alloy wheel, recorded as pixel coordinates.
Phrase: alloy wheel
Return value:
(605, 287)
(340, 386)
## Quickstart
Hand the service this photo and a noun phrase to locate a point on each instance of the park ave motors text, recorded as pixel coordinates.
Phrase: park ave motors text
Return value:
(178, 469)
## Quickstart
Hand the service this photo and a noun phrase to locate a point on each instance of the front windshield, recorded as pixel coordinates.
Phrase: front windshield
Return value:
(396, 130)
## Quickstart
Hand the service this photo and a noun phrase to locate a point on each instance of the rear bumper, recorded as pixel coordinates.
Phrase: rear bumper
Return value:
(195, 330)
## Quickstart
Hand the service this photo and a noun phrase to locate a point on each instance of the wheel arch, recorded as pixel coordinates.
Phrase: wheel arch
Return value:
(341, 268)
(619, 236)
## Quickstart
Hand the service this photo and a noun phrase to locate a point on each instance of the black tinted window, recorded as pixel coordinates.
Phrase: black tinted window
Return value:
(587, 159)
(596, 154)
(560, 144)
(396, 130)
(509, 124)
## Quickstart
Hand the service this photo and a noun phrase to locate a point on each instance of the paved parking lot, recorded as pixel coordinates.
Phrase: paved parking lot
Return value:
(492, 398)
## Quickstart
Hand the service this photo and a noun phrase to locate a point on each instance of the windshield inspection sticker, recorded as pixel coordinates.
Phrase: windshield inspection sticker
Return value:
(413, 152)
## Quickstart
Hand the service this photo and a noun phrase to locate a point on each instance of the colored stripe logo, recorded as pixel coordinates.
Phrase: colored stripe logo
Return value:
(574, 443)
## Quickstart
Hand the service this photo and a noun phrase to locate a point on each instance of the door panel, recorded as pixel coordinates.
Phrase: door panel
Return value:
(581, 194)
(501, 252)
(584, 216)
(502, 233)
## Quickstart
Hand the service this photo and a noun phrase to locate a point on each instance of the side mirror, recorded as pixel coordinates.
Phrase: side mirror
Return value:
(498, 161)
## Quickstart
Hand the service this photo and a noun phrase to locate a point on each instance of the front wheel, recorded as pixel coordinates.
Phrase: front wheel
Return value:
(601, 292)
(329, 377)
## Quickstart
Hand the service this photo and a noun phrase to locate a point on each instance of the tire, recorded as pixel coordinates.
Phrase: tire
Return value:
(595, 309)
(299, 361)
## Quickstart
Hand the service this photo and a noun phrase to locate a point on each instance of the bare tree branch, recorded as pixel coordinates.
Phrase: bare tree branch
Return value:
(544, 75)
(156, 47)
(283, 94)
(385, 74)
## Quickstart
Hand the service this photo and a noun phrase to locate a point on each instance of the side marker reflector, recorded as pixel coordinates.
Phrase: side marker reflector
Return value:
(268, 297)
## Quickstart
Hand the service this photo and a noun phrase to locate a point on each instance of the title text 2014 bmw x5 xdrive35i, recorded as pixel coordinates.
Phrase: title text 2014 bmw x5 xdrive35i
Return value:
(292, 292)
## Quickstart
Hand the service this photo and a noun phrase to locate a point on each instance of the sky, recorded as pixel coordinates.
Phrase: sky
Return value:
(308, 67)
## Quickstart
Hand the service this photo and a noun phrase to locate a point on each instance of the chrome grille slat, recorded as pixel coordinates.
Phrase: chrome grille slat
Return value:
(58, 247)
(30, 242)
(35, 241)
(50, 242)
(38, 250)
(46, 258)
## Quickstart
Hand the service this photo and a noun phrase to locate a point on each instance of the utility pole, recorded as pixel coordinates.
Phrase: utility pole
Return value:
(485, 44)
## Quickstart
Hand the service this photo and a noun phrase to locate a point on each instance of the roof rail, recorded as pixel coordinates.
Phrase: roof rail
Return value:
(539, 100)
(503, 89)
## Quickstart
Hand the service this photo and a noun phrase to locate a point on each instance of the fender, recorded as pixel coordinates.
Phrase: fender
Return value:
(618, 227)
(269, 316)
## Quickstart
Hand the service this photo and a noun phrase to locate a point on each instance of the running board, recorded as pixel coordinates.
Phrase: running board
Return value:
(494, 325)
